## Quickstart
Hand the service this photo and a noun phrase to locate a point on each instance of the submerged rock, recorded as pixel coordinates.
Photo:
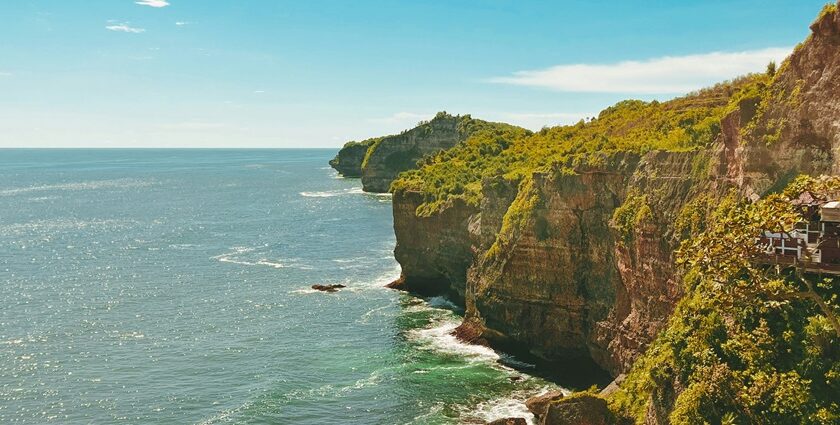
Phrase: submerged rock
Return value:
(328, 288)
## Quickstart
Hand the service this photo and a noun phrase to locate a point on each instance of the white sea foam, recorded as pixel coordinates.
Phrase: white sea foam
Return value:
(378, 283)
(442, 302)
(331, 193)
(345, 192)
(88, 185)
(239, 255)
(319, 194)
(439, 338)
(506, 407)
(379, 311)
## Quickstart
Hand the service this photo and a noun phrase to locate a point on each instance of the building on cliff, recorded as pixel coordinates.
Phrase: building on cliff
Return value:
(813, 243)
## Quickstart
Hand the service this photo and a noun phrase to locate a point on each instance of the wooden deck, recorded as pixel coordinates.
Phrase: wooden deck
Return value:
(791, 261)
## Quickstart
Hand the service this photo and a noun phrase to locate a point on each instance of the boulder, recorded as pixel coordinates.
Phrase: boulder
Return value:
(579, 409)
(539, 405)
(509, 421)
(328, 288)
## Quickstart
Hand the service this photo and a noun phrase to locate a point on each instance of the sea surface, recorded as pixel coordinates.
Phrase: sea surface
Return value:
(173, 287)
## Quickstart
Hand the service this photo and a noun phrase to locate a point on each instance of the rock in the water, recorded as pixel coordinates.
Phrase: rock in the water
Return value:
(509, 421)
(539, 405)
(578, 409)
(328, 288)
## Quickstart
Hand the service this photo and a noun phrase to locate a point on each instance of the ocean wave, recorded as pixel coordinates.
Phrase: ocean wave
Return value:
(379, 311)
(243, 256)
(330, 390)
(330, 193)
(88, 185)
(379, 282)
(439, 338)
(512, 406)
(442, 302)
(343, 192)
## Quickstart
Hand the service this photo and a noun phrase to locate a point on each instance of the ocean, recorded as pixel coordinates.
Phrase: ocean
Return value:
(174, 287)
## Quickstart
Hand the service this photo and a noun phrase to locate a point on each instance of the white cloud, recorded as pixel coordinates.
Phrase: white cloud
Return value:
(402, 118)
(536, 121)
(153, 3)
(182, 23)
(125, 28)
(665, 75)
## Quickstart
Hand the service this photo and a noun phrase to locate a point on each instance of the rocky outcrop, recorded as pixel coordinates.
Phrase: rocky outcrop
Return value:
(328, 288)
(392, 155)
(348, 161)
(509, 421)
(796, 126)
(572, 285)
(538, 405)
(579, 409)
(435, 251)
(378, 161)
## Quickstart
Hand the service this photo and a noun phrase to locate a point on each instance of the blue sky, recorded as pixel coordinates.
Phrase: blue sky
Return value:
(275, 73)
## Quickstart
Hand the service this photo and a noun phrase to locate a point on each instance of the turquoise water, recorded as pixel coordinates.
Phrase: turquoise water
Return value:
(173, 287)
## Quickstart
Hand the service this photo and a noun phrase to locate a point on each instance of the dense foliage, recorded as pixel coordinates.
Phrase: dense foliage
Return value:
(685, 123)
(465, 126)
(750, 343)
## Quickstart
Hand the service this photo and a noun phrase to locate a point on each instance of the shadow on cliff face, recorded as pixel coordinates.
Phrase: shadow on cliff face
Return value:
(575, 374)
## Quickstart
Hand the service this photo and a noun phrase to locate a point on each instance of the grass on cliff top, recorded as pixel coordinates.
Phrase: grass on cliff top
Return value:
(682, 124)
(465, 126)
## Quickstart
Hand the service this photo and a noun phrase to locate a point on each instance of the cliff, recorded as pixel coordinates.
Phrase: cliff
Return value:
(380, 160)
(348, 161)
(565, 242)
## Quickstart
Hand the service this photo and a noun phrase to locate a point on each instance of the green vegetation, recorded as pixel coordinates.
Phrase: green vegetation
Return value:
(465, 126)
(634, 211)
(749, 343)
(372, 145)
(686, 123)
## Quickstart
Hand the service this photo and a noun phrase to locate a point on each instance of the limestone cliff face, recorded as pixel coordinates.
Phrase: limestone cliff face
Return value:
(392, 155)
(797, 127)
(574, 279)
(348, 161)
(435, 251)
(572, 285)
(378, 161)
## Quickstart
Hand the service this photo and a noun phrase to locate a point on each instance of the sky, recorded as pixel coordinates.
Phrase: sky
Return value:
(318, 73)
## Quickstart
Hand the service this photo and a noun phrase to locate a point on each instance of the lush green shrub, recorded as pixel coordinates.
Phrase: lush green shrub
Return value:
(749, 343)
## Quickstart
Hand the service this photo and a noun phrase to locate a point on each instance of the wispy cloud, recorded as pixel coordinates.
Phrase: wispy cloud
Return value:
(402, 118)
(5, 74)
(124, 27)
(181, 23)
(538, 120)
(665, 75)
(153, 3)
